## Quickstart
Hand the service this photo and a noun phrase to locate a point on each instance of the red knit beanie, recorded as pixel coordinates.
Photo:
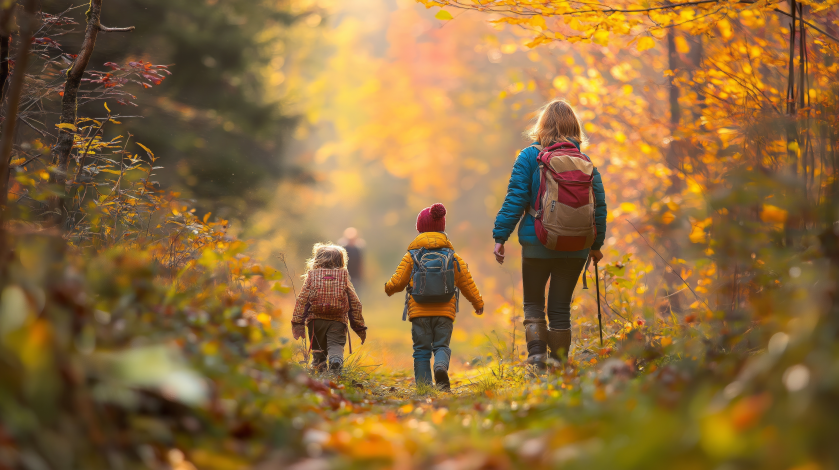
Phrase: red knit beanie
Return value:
(432, 219)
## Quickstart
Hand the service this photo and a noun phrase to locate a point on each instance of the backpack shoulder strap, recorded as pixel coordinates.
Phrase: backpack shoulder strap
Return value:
(416, 255)
(450, 259)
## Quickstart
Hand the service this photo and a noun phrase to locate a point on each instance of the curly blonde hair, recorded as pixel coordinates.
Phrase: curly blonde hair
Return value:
(557, 122)
(326, 256)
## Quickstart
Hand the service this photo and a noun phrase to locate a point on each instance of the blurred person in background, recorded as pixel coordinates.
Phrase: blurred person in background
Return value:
(355, 252)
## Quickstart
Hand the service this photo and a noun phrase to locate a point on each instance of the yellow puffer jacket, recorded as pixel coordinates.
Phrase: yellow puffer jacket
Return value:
(462, 279)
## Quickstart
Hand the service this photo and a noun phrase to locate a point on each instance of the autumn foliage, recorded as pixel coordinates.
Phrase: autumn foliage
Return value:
(138, 331)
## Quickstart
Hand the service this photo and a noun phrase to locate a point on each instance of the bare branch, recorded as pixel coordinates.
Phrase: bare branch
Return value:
(801, 20)
(106, 29)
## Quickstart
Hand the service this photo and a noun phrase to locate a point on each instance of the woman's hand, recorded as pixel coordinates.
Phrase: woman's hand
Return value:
(596, 255)
(499, 253)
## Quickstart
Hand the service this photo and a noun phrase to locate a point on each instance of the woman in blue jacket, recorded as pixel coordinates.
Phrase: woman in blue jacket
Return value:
(557, 122)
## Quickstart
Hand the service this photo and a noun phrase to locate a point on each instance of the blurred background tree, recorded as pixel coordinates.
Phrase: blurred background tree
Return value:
(217, 123)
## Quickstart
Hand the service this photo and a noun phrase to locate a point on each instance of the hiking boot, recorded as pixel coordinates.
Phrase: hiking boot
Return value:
(335, 365)
(536, 335)
(319, 367)
(559, 342)
(441, 379)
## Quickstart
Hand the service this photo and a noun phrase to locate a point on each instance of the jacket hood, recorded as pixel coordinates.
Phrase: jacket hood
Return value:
(431, 240)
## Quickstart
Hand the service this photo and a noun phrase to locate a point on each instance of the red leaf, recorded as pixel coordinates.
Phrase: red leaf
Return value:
(153, 78)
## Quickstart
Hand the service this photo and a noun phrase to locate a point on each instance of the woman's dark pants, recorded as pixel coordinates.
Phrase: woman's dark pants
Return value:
(563, 274)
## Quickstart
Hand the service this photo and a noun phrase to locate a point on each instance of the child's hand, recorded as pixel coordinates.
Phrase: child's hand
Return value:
(480, 311)
(363, 335)
(298, 331)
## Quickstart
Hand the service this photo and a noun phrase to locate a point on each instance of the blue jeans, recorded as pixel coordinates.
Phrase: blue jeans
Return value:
(431, 335)
(563, 274)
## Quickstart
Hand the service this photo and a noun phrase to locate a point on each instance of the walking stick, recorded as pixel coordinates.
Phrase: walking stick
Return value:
(597, 286)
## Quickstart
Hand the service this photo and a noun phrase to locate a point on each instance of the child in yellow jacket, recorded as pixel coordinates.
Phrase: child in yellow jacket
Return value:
(432, 323)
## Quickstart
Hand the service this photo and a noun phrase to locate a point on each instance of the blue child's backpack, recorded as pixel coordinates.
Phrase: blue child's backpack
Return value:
(432, 277)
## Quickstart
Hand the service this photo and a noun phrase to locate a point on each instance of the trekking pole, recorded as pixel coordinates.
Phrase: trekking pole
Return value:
(597, 286)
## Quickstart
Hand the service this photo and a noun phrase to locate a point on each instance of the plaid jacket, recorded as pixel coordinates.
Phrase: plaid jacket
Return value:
(328, 294)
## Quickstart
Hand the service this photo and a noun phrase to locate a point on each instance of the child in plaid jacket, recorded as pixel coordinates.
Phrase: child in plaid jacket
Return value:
(327, 303)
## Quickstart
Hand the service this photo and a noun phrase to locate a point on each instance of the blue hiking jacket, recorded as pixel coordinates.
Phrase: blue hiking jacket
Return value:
(522, 192)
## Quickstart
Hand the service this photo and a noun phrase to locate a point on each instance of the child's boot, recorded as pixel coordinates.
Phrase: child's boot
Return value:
(441, 379)
(559, 342)
(536, 335)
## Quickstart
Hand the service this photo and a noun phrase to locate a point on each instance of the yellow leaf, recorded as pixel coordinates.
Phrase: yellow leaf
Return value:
(67, 125)
(659, 33)
(627, 207)
(697, 232)
(601, 37)
(682, 45)
(110, 171)
(443, 15)
(537, 41)
(645, 43)
(538, 22)
(265, 319)
(771, 213)
(107, 108)
(666, 341)
(146, 149)
(725, 28)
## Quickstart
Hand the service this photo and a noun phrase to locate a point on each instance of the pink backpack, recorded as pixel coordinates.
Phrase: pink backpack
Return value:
(564, 209)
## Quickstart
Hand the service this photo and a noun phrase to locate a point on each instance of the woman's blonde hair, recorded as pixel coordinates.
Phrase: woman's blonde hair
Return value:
(557, 122)
(326, 256)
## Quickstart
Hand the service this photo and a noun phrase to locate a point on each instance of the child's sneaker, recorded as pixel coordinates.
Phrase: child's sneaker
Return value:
(441, 379)
(335, 365)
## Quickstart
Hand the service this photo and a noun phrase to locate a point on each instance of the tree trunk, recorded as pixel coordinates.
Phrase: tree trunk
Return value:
(6, 16)
(696, 56)
(64, 145)
(8, 136)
